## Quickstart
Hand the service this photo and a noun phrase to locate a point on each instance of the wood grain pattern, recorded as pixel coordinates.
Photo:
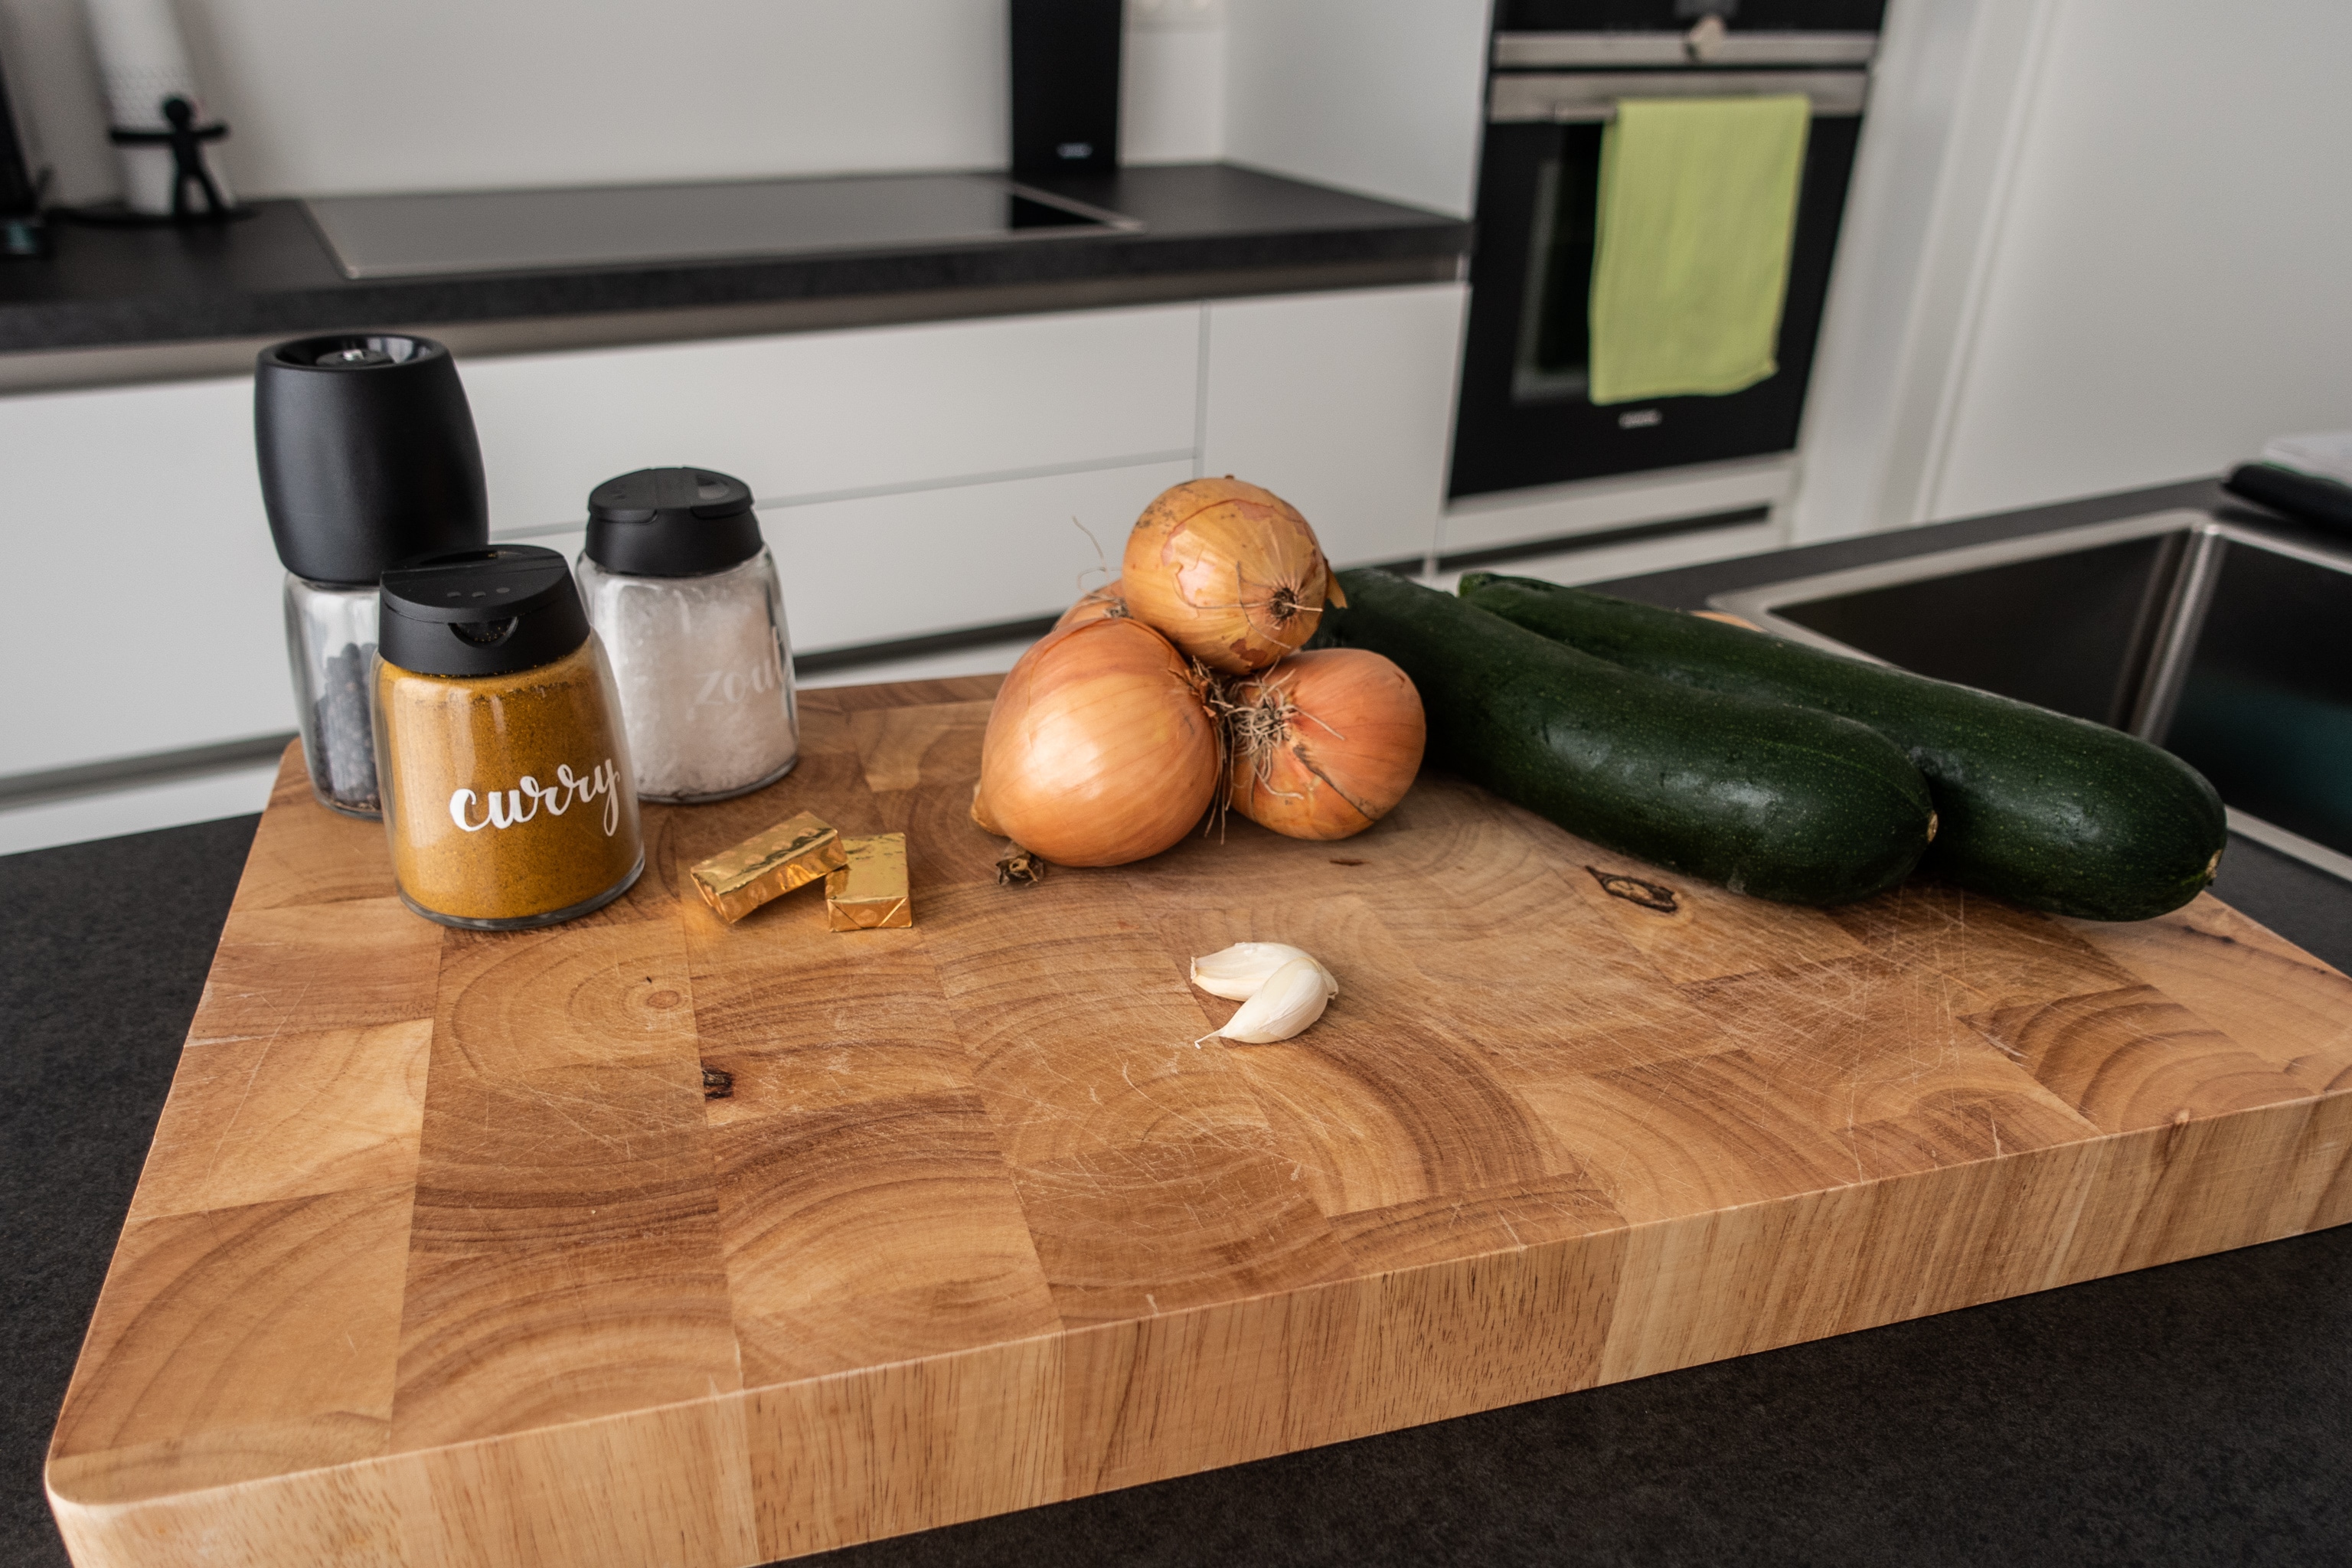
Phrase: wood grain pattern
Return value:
(652, 1239)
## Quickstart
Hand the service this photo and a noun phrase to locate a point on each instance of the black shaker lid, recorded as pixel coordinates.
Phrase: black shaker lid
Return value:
(368, 454)
(671, 522)
(490, 611)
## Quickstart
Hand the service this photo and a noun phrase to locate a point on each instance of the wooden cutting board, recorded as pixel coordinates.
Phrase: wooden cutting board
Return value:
(645, 1240)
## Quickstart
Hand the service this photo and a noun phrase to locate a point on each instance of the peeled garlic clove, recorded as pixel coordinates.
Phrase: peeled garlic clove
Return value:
(1292, 997)
(1236, 973)
(1330, 983)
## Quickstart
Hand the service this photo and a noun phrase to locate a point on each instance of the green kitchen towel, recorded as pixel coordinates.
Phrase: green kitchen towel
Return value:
(1698, 203)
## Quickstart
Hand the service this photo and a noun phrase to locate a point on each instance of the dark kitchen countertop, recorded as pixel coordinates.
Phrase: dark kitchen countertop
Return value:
(271, 276)
(2199, 1412)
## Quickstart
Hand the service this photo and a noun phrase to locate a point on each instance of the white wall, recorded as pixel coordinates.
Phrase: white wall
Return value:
(327, 99)
(430, 94)
(53, 87)
(2169, 285)
(1945, 92)
(2096, 245)
(1380, 95)
(1173, 86)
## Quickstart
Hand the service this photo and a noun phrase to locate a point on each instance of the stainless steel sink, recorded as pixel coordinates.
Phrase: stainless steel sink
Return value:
(2229, 648)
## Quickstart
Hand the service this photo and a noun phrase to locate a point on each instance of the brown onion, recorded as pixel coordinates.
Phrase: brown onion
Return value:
(1099, 750)
(1231, 574)
(1325, 742)
(1105, 601)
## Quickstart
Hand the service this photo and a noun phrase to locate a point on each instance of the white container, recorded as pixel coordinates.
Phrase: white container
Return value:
(682, 590)
(142, 60)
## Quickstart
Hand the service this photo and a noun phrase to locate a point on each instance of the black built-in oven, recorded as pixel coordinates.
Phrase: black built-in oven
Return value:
(1559, 68)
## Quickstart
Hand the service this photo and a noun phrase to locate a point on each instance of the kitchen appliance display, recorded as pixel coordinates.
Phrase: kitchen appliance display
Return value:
(1526, 415)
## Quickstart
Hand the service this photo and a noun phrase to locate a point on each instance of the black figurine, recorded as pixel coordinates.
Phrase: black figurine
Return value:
(186, 140)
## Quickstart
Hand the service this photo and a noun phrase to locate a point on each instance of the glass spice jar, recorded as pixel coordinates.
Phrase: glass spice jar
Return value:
(508, 796)
(685, 594)
(368, 455)
(331, 646)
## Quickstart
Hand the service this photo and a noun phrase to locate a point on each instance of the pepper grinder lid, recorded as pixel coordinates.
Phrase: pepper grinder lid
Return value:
(368, 454)
(672, 522)
(492, 611)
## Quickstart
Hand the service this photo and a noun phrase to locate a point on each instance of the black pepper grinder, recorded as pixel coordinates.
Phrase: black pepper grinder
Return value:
(368, 456)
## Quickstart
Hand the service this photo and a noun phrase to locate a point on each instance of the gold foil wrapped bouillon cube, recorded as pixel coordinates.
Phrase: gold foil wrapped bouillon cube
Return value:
(870, 892)
(796, 851)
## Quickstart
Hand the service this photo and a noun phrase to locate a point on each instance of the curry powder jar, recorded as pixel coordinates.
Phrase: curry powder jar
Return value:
(508, 796)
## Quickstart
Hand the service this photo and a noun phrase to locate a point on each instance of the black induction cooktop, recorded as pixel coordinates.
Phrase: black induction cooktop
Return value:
(441, 233)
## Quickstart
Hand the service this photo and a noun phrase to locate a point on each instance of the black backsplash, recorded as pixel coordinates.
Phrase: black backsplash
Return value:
(20, 190)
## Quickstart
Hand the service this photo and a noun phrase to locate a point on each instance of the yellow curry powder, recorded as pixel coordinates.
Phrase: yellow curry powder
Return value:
(509, 799)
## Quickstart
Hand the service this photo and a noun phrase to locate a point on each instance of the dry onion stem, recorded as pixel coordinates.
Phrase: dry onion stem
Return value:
(1229, 572)
(1106, 601)
(1323, 744)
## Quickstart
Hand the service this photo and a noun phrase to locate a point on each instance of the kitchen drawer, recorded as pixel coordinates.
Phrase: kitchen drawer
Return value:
(816, 414)
(140, 610)
(1342, 404)
(886, 568)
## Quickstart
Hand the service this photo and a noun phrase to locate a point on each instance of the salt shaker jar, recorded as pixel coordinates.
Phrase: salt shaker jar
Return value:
(685, 594)
(508, 793)
(368, 455)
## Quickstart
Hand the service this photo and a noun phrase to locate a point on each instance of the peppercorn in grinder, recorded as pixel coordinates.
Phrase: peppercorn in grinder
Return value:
(368, 455)
(509, 797)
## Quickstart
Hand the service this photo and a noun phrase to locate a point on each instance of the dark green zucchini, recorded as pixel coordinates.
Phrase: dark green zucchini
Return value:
(1765, 798)
(2053, 812)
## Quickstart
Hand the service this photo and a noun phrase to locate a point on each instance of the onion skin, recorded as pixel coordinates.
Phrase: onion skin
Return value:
(1229, 572)
(1105, 601)
(1325, 744)
(1099, 749)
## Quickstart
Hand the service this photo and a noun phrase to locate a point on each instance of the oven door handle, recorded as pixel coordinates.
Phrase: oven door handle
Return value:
(1573, 96)
(1521, 51)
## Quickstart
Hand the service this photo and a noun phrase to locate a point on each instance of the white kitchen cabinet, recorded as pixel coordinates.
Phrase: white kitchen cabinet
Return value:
(912, 480)
(140, 610)
(882, 568)
(1386, 97)
(1341, 404)
(816, 414)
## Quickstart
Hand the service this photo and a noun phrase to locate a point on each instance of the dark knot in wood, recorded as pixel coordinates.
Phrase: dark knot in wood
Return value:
(1634, 890)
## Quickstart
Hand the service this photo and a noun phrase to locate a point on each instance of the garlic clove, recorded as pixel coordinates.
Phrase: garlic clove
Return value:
(1237, 973)
(1292, 997)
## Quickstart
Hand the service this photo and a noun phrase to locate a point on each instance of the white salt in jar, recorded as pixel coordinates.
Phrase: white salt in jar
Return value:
(683, 592)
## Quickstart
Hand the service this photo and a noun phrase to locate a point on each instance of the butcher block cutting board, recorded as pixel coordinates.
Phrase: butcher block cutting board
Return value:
(645, 1240)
